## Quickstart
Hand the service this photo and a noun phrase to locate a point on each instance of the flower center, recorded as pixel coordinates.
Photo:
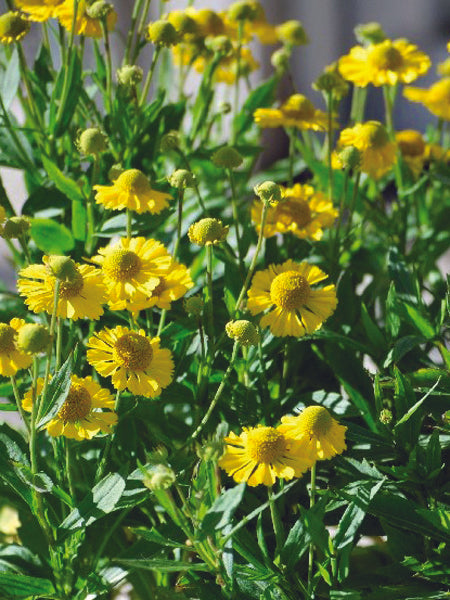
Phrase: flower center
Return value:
(133, 181)
(7, 334)
(315, 421)
(77, 405)
(298, 107)
(160, 288)
(122, 265)
(69, 289)
(374, 135)
(265, 444)
(289, 290)
(385, 56)
(133, 351)
(298, 211)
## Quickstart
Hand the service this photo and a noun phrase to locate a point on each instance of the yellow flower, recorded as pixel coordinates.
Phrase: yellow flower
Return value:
(226, 72)
(79, 298)
(294, 307)
(208, 21)
(378, 153)
(85, 25)
(80, 417)
(131, 270)
(207, 231)
(132, 360)
(386, 63)
(261, 454)
(13, 27)
(297, 112)
(39, 10)
(324, 436)
(132, 190)
(436, 98)
(412, 148)
(303, 212)
(11, 358)
(172, 286)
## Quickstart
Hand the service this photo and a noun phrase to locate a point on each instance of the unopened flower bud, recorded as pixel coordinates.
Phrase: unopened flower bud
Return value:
(280, 59)
(13, 27)
(227, 158)
(62, 267)
(369, 33)
(220, 44)
(183, 23)
(224, 107)
(15, 227)
(270, 192)
(182, 179)
(211, 450)
(243, 10)
(92, 141)
(385, 416)
(331, 81)
(99, 9)
(170, 141)
(159, 477)
(292, 33)
(350, 158)
(207, 231)
(243, 331)
(194, 306)
(129, 75)
(163, 33)
(115, 171)
(33, 338)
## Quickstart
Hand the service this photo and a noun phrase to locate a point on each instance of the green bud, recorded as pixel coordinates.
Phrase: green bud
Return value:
(220, 44)
(227, 158)
(243, 331)
(181, 179)
(194, 306)
(292, 33)
(15, 227)
(92, 141)
(33, 338)
(350, 158)
(99, 9)
(385, 416)
(369, 33)
(63, 268)
(129, 75)
(159, 477)
(170, 141)
(280, 59)
(270, 192)
(242, 11)
(163, 33)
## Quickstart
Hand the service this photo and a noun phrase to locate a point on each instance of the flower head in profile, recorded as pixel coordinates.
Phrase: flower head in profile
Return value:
(12, 358)
(436, 98)
(298, 111)
(412, 148)
(303, 212)
(378, 153)
(81, 295)
(208, 21)
(85, 24)
(132, 360)
(13, 27)
(323, 435)
(83, 413)
(386, 63)
(261, 454)
(132, 190)
(294, 306)
(38, 10)
(207, 231)
(132, 269)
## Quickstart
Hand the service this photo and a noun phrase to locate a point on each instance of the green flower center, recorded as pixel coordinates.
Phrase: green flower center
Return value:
(133, 181)
(7, 334)
(385, 56)
(122, 264)
(289, 290)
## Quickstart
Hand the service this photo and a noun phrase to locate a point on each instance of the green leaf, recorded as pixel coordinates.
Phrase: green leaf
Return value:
(14, 585)
(10, 79)
(402, 347)
(260, 97)
(414, 317)
(374, 334)
(297, 543)
(409, 421)
(417, 405)
(75, 85)
(153, 535)
(99, 502)
(65, 184)
(163, 565)
(79, 220)
(221, 512)
(51, 237)
(57, 392)
(433, 453)
(404, 282)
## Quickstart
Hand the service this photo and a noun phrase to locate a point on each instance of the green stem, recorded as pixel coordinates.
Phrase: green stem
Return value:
(292, 136)
(179, 222)
(209, 308)
(312, 501)
(237, 81)
(358, 104)
(330, 133)
(351, 208)
(236, 218)
(143, 19)
(276, 523)
(131, 31)
(30, 96)
(19, 402)
(196, 188)
(58, 343)
(109, 96)
(104, 460)
(129, 223)
(90, 237)
(336, 245)
(69, 470)
(65, 88)
(148, 81)
(27, 161)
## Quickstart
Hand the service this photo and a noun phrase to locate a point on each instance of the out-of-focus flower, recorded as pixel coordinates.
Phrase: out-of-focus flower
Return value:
(297, 111)
(436, 98)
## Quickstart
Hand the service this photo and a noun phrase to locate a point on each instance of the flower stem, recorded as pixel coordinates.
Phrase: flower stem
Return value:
(292, 136)
(131, 30)
(312, 501)
(236, 218)
(19, 402)
(129, 223)
(209, 297)
(330, 145)
(240, 33)
(179, 222)
(109, 97)
(196, 188)
(276, 523)
(148, 81)
(65, 88)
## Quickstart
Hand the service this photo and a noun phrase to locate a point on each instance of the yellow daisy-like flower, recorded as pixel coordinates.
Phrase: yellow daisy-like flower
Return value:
(226, 72)
(386, 63)
(294, 307)
(303, 212)
(85, 25)
(261, 454)
(208, 21)
(131, 270)
(412, 148)
(81, 298)
(13, 27)
(133, 360)
(81, 416)
(323, 435)
(172, 286)
(11, 358)
(378, 153)
(38, 10)
(436, 98)
(297, 112)
(132, 190)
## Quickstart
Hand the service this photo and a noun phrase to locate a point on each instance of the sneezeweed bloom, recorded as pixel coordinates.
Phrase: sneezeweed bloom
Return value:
(14, 227)
(436, 99)
(81, 295)
(324, 436)
(83, 413)
(297, 111)
(208, 21)
(33, 338)
(172, 285)
(91, 141)
(38, 10)
(85, 24)
(132, 360)
(227, 71)
(303, 212)
(131, 270)
(261, 454)
(285, 290)
(378, 153)
(162, 33)
(132, 190)
(13, 27)
(207, 231)
(12, 358)
(412, 148)
(242, 331)
(386, 63)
